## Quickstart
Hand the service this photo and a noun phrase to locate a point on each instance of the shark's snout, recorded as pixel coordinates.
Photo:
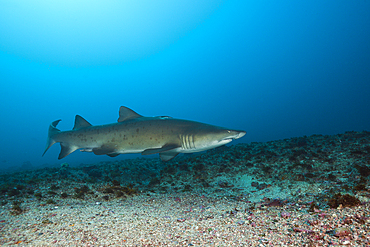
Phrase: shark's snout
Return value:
(240, 134)
(236, 134)
(233, 135)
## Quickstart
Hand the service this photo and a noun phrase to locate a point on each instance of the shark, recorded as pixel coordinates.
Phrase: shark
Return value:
(134, 133)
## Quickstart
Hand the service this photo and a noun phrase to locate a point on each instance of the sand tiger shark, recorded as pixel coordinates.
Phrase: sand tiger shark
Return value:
(134, 133)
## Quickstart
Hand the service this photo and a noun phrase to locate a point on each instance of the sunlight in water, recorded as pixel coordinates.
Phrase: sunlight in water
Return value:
(83, 32)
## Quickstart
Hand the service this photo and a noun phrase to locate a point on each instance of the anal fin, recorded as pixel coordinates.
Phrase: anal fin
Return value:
(113, 154)
(66, 150)
(104, 150)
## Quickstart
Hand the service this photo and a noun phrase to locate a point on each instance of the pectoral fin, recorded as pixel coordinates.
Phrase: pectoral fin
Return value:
(165, 148)
(166, 156)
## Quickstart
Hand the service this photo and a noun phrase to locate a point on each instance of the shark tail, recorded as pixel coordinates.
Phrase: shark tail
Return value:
(52, 131)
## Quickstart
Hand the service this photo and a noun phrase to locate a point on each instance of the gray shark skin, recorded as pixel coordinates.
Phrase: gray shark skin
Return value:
(137, 134)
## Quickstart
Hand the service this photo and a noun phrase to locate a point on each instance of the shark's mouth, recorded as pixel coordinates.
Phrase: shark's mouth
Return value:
(225, 141)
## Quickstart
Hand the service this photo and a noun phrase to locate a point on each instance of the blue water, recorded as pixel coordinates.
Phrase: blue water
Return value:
(276, 69)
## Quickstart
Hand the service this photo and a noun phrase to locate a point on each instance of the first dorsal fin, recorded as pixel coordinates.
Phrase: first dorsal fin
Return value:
(127, 114)
(80, 122)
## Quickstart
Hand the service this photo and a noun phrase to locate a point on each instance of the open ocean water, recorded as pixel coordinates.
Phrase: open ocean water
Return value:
(294, 75)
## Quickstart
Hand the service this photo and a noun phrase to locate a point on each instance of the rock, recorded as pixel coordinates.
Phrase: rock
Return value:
(341, 231)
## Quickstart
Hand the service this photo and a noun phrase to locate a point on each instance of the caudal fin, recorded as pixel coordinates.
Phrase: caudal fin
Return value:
(52, 131)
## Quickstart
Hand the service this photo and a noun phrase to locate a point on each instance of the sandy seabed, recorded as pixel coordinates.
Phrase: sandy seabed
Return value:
(185, 219)
(305, 191)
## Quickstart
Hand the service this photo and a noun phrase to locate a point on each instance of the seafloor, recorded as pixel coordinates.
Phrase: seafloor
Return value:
(306, 191)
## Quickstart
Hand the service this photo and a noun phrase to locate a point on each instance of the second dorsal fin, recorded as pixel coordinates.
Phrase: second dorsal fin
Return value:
(80, 122)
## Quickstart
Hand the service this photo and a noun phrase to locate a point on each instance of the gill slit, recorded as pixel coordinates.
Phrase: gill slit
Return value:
(187, 141)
